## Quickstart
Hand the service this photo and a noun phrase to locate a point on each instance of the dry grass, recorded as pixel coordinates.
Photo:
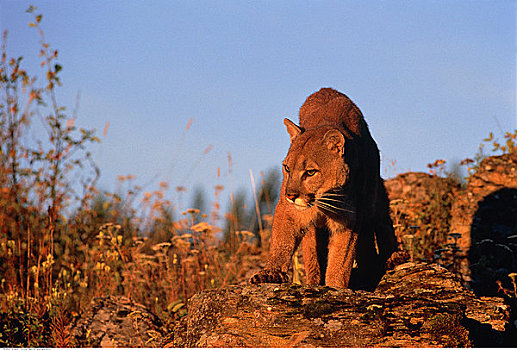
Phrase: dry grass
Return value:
(59, 248)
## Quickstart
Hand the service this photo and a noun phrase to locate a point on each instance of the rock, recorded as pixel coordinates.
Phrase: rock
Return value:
(479, 221)
(420, 208)
(415, 305)
(117, 322)
(419, 188)
(485, 215)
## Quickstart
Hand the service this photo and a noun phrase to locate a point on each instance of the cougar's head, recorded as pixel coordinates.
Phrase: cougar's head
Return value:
(315, 170)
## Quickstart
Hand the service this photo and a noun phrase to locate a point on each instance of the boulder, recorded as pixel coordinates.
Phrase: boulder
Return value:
(117, 322)
(415, 305)
(485, 215)
(420, 206)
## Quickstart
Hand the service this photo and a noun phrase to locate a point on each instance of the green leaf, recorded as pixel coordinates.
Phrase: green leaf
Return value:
(57, 68)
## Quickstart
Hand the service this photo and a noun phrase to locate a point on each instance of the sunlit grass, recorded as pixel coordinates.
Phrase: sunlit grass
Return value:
(55, 257)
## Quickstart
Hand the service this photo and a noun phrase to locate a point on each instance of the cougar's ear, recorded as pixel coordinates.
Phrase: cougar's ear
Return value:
(335, 141)
(293, 129)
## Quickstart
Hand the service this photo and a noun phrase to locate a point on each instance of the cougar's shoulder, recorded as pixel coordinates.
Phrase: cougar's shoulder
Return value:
(330, 107)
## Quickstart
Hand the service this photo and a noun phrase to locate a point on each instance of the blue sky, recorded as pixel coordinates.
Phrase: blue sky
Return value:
(431, 77)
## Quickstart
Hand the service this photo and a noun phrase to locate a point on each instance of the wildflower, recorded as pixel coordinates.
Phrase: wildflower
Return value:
(160, 246)
(245, 233)
(47, 264)
(201, 227)
(182, 244)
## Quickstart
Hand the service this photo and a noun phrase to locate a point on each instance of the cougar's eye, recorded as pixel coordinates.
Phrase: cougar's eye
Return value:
(310, 172)
(286, 168)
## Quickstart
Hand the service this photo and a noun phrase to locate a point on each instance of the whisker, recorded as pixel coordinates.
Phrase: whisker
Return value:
(324, 207)
(344, 204)
(332, 208)
(333, 203)
(331, 199)
(335, 210)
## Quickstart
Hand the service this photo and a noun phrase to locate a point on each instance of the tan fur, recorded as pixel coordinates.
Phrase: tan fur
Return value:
(332, 198)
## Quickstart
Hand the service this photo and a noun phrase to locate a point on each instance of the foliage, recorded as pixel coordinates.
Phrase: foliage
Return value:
(509, 146)
(423, 228)
(61, 247)
(63, 241)
(256, 218)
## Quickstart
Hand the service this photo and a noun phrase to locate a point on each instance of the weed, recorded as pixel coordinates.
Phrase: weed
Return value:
(422, 228)
(60, 248)
(509, 146)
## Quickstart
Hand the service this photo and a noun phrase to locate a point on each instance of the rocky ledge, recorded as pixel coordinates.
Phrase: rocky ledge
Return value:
(415, 305)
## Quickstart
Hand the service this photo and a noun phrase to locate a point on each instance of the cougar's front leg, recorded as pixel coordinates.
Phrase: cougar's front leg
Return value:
(285, 238)
(342, 246)
(310, 257)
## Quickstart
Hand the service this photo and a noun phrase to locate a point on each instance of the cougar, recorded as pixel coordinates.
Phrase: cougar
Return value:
(333, 200)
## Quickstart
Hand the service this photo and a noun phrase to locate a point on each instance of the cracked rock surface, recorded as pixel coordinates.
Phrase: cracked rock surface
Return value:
(117, 322)
(415, 305)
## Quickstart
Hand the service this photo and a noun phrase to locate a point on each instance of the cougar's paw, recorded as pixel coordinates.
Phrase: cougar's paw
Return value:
(269, 276)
